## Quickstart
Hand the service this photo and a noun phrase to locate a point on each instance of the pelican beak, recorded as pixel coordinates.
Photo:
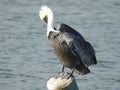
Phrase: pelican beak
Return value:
(45, 19)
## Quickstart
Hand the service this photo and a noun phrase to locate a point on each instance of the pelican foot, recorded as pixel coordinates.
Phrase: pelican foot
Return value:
(67, 76)
(60, 74)
(63, 75)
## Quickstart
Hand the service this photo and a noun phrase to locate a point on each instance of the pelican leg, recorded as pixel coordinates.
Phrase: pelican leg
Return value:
(73, 70)
(68, 75)
(62, 68)
(60, 74)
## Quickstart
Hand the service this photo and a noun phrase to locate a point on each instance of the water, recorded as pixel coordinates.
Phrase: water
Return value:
(26, 59)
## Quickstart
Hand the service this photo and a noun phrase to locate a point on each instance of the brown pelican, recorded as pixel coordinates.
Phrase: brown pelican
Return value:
(72, 50)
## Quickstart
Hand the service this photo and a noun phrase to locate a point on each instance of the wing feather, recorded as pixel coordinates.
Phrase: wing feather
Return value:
(78, 45)
(65, 28)
(80, 48)
(85, 51)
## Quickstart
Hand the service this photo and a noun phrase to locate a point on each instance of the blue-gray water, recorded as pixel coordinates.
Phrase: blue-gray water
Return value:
(26, 59)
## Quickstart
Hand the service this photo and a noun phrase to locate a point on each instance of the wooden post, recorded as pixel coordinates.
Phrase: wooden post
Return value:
(62, 83)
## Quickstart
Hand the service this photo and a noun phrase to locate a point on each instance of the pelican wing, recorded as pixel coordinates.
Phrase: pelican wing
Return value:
(80, 48)
(85, 51)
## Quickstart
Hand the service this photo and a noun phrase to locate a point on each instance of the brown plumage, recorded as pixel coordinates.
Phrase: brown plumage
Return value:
(71, 49)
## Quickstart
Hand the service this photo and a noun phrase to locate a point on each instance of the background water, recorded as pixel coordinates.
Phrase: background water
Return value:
(26, 59)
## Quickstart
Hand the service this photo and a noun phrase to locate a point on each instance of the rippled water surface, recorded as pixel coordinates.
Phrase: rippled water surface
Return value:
(26, 59)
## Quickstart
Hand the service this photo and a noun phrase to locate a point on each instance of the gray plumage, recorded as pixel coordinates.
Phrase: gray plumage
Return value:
(72, 49)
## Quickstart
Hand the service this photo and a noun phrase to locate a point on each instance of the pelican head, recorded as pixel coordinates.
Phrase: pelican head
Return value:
(46, 13)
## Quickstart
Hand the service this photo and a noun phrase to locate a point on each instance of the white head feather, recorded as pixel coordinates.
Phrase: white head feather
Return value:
(46, 15)
(45, 12)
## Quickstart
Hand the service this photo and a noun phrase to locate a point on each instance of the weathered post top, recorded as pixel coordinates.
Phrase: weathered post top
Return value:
(62, 83)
